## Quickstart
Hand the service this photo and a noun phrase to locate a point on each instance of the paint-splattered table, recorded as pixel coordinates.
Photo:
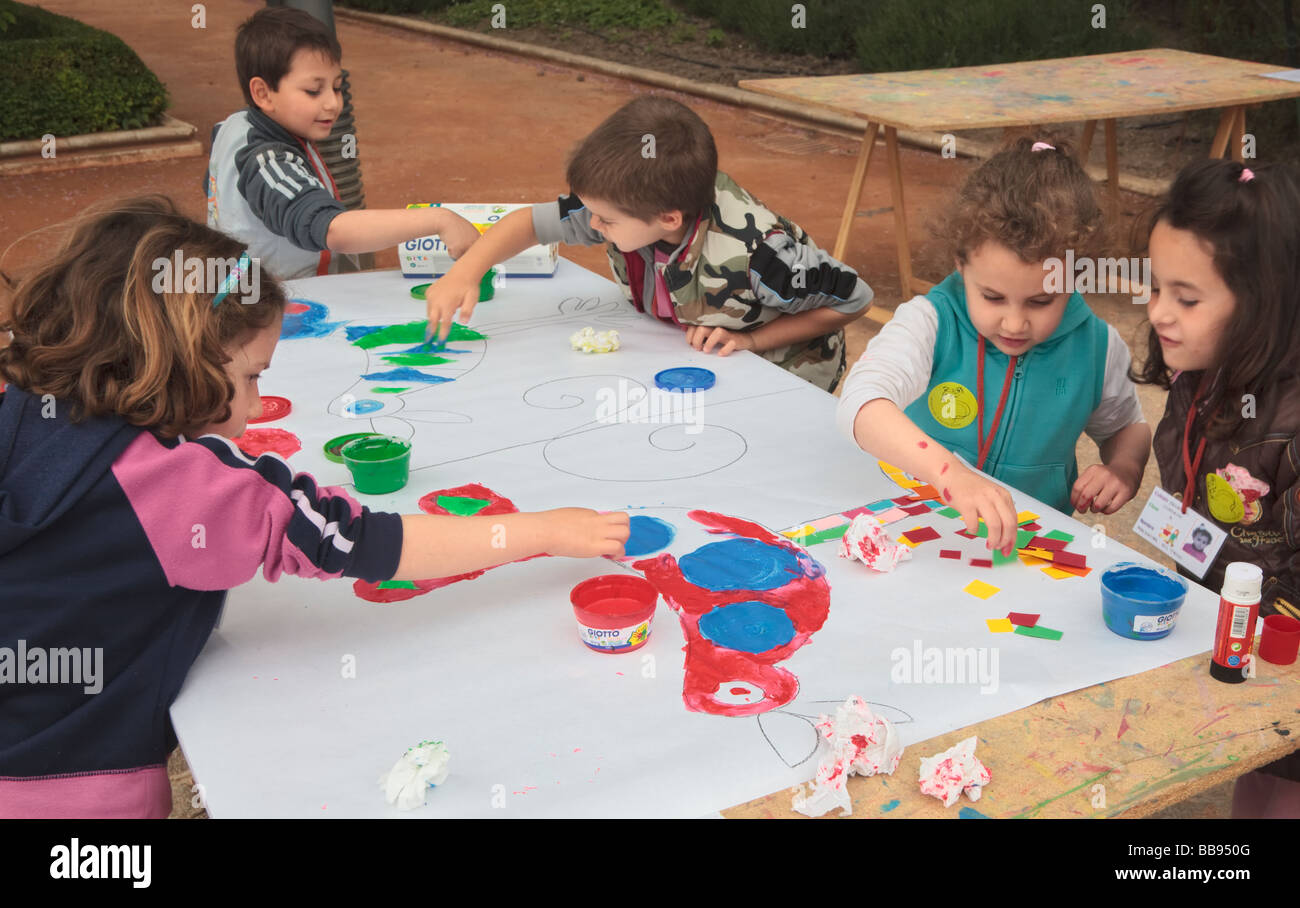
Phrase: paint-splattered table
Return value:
(1126, 748)
(1072, 89)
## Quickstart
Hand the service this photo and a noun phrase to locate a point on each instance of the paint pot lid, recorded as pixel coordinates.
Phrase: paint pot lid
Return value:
(1242, 582)
(334, 447)
(273, 408)
(685, 378)
(418, 291)
(615, 586)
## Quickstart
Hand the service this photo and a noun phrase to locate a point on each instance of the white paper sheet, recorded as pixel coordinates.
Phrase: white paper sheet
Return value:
(273, 726)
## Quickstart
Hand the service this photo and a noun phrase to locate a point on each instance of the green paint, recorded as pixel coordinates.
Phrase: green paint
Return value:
(397, 585)
(417, 359)
(1059, 534)
(1106, 700)
(461, 506)
(1187, 772)
(388, 390)
(823, 535)
(1041, 804)
(948, 512)
(412, 333)
(1044, 633)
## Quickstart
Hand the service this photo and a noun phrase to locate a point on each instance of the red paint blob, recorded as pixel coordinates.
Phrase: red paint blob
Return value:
(922, 445)
(256, 442)
(740, 691)
(944, 470)
(295, 308)
(946, 496)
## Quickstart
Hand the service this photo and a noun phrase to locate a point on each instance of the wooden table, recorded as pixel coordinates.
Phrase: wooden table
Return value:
(1102, 88)
(1127, 748)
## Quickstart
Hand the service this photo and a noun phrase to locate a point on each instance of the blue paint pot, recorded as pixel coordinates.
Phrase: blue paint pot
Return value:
(1141, 602)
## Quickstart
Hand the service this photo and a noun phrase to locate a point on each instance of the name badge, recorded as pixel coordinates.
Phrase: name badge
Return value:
(1190, 539)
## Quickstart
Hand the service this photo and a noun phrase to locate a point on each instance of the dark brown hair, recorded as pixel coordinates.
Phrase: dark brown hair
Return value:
(650, 156)
(1036, 203)
(266, 42)
(1253, 228)
(89, 328)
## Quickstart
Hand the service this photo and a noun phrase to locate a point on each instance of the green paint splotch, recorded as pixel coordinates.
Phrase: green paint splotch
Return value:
(388, 390)
(409, 333)
(417, 359)
(461, 506)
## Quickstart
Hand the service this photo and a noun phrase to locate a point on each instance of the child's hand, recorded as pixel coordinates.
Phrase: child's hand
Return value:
(1102, 490)
(445, 296)
(975, 497)
(580, 533)
(457, 234)
(704, 338)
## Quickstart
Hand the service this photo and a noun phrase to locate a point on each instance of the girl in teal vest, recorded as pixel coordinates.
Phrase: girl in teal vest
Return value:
(1000, 363)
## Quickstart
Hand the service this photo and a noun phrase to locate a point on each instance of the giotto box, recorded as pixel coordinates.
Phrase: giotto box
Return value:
(427, 256)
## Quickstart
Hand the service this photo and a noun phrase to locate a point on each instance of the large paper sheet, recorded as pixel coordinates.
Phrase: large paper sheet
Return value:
(307, 693)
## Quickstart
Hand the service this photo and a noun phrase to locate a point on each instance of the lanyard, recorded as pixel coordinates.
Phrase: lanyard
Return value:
(1190, 466)
(986, 444)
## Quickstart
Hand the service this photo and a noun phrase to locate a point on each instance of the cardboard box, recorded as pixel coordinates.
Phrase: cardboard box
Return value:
(427, 257)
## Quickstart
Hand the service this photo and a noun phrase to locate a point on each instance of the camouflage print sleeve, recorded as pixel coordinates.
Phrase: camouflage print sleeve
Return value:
(565, 220)
(795, 277)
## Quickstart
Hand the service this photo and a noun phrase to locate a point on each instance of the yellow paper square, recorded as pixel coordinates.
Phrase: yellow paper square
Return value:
(1000, 625)
(1026, 517)
(1032, 561)
(980, 590)
(1056, 573)
(907, 542)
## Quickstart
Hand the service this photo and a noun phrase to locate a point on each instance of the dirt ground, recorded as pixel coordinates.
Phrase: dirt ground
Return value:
(442, 121)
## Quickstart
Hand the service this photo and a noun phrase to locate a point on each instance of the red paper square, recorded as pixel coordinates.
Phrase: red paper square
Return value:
(950, 553)
(1069, 559)
(967, 535)
(1022, 619)
(1043, 542)
(981, 562)
(904, 499)
(923, 534)
(917, 509)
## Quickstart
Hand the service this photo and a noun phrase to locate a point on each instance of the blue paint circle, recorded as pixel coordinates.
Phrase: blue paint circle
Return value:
(648, 534)
(685, 378)
(749, 627)
(358, 407)
(740, 564)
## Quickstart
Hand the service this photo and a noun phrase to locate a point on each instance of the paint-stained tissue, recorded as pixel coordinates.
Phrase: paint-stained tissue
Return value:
(946, 775)
(859, 742)
(422, 767)
(589, 341)
(867, 541)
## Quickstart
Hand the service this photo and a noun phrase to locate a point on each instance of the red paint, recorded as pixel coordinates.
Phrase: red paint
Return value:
(1123, 727)
(740, 691)
(859, 741)
(805, 600)
(944, 470)
(295, 308)
(429, 504)
(946, 496)
(922, 445)
(614, 602)
(256, 442)
(273, 408)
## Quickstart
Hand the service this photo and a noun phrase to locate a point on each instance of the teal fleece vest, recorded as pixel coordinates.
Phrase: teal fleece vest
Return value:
(1055, 388)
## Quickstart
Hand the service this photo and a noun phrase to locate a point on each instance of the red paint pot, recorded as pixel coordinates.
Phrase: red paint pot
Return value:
(614, 612)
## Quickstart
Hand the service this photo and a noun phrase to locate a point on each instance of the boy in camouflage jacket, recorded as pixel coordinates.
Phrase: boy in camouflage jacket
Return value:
(685, 243)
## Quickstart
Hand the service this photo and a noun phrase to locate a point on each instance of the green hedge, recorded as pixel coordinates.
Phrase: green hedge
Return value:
(825, 28)
(632, 14)
(398, 6)
(64, 78)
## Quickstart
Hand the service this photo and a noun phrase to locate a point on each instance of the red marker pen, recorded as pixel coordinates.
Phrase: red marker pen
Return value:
(1235, 631)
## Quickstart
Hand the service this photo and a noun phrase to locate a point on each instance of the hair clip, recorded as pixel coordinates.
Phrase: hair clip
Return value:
(1246, 175)
(1043, 146)
(232, 279)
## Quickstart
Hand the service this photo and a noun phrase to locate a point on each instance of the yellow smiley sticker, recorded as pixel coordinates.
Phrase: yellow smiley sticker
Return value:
(1226, 505)
(952, 404)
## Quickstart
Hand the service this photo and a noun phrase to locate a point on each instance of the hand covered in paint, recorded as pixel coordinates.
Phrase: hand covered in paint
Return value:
(1102, 490)
(581, 533)
(705, 339)
(445, 296)
(976, 496)
(457, 234)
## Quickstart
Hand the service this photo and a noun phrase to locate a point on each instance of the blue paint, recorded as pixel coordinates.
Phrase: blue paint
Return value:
(309, 323)
(685, 378)
(356, 332)
(969, 813)
(419, 348)
(748, 627)
(360, 407)
(740, 564)
(406, 373)
(886, 808)
(1152, 596)
(1053, 97)
(648, 534)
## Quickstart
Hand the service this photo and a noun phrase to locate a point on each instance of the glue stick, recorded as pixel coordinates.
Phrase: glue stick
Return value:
(1235, 631)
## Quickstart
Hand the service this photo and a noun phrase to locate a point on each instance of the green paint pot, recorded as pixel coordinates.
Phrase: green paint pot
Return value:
(487, 287)
(334, 447)
(378, 463)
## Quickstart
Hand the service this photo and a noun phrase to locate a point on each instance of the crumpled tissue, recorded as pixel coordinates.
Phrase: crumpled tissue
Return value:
(867, 541)
(419, 769)
(946, 775)
(860, 742)
(589, 341)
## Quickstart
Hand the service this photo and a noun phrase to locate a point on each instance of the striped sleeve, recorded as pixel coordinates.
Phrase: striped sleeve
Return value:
(283, 192)
(214, 515)
(795, 277)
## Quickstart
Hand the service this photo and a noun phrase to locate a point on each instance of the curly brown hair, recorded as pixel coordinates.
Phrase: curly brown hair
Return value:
(89, 328)
(1036, 203)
